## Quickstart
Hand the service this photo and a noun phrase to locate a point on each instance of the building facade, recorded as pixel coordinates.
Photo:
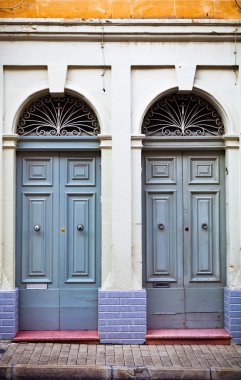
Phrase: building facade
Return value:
(120, 167)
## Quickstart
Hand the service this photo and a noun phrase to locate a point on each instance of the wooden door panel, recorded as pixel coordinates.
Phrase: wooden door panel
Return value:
(161, 170)
(165, 308)
(37, 246)
(80, 171)
(204, 170)
(37, 171)
(205, 236)
(78, 309)
(80, 244)
(39, 309)
(161, 227)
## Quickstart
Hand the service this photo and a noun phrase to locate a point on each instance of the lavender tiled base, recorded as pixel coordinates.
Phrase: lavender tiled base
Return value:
(232, 313)
(122, 316)
(8, 313)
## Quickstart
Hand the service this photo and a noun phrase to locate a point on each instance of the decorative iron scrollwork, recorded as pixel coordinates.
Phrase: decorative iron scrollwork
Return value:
(182, 115)
(55, 116)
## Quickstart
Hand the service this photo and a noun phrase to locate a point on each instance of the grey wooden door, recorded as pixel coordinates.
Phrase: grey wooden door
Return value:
(184, 239)
(58, 240)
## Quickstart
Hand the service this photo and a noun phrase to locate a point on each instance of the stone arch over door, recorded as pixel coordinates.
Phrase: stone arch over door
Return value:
(184, 213)
(58, 212)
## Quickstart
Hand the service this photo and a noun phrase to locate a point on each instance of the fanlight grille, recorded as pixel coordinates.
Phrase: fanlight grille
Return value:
(182, 115)
(53, 116)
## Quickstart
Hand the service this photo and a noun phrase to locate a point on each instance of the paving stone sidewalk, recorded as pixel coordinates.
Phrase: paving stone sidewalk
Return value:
(81, 361)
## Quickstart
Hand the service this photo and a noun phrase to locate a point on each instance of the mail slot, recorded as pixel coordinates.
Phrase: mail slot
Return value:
(161, 284)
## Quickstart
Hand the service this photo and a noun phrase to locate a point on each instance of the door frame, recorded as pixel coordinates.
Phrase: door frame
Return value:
(177, 144)
(71, 144)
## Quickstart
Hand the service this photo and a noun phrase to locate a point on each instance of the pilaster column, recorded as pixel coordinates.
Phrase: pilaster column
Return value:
(122, 302)
(8, 211)
(1, 181)
(232, 293)
(106, 225)
(232, 162)
(136, 209)
(8, 292)
(121, 177)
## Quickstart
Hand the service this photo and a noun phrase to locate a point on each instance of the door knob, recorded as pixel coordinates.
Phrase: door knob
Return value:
(161, 226)
(186, 229)
(36, 227)
(204, 226)
(80, 227)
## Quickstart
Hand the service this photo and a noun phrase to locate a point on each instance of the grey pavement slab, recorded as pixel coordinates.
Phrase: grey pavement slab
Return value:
(82, 361)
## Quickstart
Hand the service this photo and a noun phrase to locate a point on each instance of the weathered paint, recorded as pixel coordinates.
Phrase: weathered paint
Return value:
(224, 9)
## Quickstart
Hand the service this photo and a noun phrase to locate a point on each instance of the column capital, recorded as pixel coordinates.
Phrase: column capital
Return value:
(105, 141)
(10, 141)
(136, 141)
(231, 140)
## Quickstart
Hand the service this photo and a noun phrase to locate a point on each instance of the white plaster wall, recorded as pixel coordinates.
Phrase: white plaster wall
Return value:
(20, 83)
(147, 85)
(136, 73)
(95, 85)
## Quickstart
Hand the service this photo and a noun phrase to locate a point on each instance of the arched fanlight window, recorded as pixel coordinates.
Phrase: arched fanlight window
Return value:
(55, 116)
(182, 115)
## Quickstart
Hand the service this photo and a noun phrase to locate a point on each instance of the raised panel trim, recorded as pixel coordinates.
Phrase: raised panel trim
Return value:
(31, 239)
(213, 274)
(211, 177)
(88, 274)
(31, 179)
(151, 274)
(161, 170)
(80, 171)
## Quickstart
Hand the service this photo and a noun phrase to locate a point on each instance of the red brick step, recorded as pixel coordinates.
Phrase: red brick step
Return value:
(188, 336)
(77, 336)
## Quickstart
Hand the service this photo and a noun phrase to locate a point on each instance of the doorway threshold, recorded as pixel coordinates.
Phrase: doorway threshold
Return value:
(188, 336)
(58, 336)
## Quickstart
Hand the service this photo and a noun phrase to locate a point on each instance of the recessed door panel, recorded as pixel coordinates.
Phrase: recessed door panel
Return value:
(78, 309)
(37, 171)
(205, 236)
(165, 308)
(39, 309)
(204, 170)
(80, 245)
(37, 242)
(161, 220)
(161, 170)
(80, 171)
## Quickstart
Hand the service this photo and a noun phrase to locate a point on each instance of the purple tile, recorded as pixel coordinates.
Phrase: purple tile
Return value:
(139, 335)
(235, 307)
(109, 315)
(7, 335)
(120, 335)
(7, 322)
(234, 321)
(110, 328)
(235, 314)
(7, 329)
(133, 301)
(7, 315)
(109, 301)
(139, 314)
(235, 299)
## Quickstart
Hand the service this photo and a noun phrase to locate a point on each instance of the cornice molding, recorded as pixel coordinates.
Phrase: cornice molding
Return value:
(120, 29)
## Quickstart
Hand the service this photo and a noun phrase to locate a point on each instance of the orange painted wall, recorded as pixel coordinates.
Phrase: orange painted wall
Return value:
(225, 9)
